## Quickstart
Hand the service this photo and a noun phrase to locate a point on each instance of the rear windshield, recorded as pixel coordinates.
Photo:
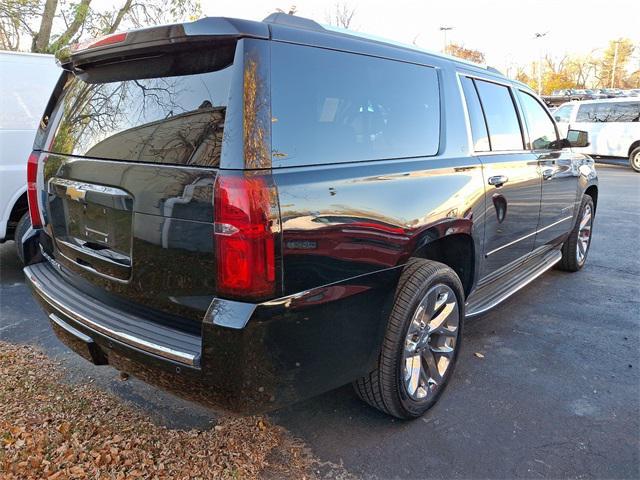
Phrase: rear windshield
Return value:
(330, 107)
(169, 119)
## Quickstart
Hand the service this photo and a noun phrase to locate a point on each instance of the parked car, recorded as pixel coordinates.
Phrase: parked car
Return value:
(27, 80)
(589, 94)
(257, 212)
(612, 92)
(559, 97)
(613, 125)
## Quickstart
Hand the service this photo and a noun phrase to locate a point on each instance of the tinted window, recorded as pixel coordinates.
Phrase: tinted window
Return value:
(476, 118)
(330, 106)
(563, 114)
(500, 112)
(593, 112)
(175, 120)
(625, 112)
(542, 131)
(609, 112)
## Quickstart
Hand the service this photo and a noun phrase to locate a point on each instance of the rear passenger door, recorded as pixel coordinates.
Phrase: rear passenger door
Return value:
(512, 178)
(559, 178)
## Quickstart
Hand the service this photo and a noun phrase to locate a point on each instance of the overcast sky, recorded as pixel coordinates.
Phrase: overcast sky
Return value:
(503, 29)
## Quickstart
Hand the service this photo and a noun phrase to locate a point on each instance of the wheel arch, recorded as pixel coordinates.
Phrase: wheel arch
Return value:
(19, 207)
(592, 191)
(457, 251)
(633, 146)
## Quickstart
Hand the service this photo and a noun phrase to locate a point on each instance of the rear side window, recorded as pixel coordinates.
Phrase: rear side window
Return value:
(627, 112)
(609, 112)
(502, 119)
(542, 131)
(476, 117)
(330, 107)
(168, 119)
(593, 112)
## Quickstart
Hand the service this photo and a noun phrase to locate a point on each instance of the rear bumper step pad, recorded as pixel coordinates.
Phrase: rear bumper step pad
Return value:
(119, 325)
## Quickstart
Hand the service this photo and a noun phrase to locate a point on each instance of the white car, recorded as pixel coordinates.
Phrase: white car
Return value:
(613, 125)
(26, 83)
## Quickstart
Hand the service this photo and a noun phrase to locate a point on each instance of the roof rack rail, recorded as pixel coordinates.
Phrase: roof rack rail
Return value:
(494, 70)
(293, 21)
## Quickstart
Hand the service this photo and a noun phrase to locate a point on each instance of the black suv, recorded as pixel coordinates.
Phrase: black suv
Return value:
(257, 212)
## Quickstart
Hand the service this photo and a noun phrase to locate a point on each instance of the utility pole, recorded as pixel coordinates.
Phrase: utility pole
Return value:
(540, 35)
(444, 30)
(615, 63)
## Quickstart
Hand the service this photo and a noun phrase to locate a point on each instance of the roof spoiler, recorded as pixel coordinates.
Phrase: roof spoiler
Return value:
(134, 43)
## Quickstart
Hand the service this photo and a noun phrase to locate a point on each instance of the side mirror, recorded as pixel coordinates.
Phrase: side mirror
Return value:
(578, 138)
(558, 118)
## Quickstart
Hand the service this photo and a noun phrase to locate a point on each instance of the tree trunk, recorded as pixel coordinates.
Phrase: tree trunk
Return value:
(41, 39)
(121, 13)
(82, 11)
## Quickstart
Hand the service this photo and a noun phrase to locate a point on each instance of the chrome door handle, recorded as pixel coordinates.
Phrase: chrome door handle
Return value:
(547, 173)
(498, 180)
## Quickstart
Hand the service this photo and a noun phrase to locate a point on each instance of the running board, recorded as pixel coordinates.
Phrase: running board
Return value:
(490, 295)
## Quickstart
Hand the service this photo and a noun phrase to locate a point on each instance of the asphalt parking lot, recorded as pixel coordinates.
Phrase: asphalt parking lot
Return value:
(556, 395)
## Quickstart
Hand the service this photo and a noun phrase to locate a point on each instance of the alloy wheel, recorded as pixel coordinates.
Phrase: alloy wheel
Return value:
(584, 234)
(431, 342)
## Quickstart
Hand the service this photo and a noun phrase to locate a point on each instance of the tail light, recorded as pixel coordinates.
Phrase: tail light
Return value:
(245, 236)
(32, 189)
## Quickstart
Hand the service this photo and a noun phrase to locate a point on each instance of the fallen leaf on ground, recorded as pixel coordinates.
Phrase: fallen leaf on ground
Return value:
(50, 429)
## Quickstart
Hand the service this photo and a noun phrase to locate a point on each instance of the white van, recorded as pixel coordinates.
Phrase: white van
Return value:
(26, 83)
(613, 125)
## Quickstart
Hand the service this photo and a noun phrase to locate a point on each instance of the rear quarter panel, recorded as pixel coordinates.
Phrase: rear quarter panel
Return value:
(345, 221)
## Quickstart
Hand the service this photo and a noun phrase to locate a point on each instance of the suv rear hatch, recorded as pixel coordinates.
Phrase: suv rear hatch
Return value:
(130, 160)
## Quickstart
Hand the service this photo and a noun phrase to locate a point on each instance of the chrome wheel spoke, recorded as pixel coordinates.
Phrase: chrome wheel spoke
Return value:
(413, 380)
(586, 219)
(446, 331)
(441, 317)
(430, 341)
(444, 350)
(433, 373)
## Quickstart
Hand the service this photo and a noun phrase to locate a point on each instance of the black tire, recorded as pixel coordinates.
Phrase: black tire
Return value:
(21, 228)
(571, 260)
(634, 159)
(384, 388)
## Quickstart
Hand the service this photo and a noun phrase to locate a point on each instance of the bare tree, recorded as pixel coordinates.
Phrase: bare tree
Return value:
(342, 15)
(16, 17)
(292, 10)
(53, 24)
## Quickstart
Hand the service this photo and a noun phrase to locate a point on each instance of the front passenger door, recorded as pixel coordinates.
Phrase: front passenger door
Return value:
(559, 174)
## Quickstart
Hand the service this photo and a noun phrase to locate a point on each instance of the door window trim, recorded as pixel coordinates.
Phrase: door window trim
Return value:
(472, 152)
(546, 111)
